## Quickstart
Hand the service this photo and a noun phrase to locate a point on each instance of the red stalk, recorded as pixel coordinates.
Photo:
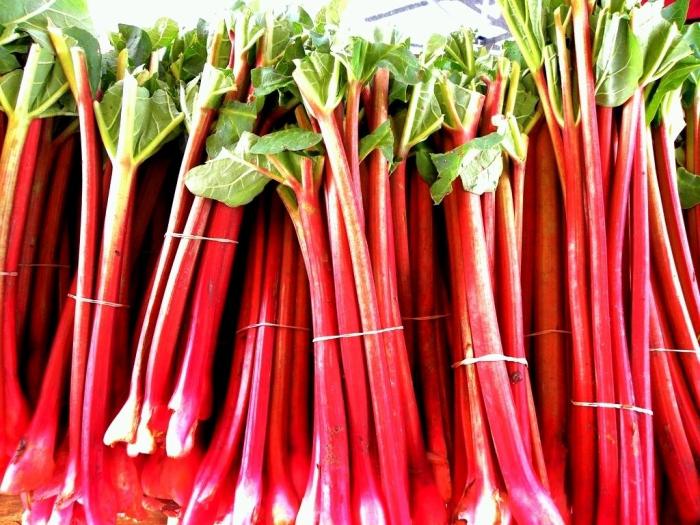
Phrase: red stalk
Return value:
(34, 226)
(550, 346)
(218, 461)
(519, 174)
(692, 160)
(582, 427)
(399, 191)
(426, 502)
(366, 501)
(43, 301)
(248, 496)
(607, 156)
(299, 398)
(665, 156)
(631, 463)
(188, 401)
(385, 406)
(676, 455)
(432, 370)
(282, 499)
(16, 175)
(87, 258)
(608, 449)
(32, 465)
(509, 299)
(640, 311)
(350, 134)
(327, 496)
(493, 105)
(670, 290)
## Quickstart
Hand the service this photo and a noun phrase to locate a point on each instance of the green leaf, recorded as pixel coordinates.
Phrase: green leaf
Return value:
(75, 36)
(249, 27)
(235, 118)
(398, 91)
(423, 117)
(382, 139)
(136, 42)
(163, 33)
(267, 80)
(149, 120)
(291, 139)
(459, 104)
(279, 33)
(434, 48)
(525, 104)
(688, 188)
(479, 163)
(33, 16)
(676, 12)
(460, 50)
(189, 53)
(361, 59)
(232, 177)
(8, 61)
(426, 168)
(661, 42)
(319, 80)
(205, 92)
(49, 83)
(618, 65)
(672, 80)
(332, 12)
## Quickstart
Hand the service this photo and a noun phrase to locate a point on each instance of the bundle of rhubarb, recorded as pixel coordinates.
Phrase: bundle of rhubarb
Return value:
(271, 271)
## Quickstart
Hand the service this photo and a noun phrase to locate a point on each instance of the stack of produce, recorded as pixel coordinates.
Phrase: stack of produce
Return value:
(268, 272)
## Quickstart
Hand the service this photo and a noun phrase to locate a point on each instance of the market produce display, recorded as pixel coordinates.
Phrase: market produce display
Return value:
(267, 271)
